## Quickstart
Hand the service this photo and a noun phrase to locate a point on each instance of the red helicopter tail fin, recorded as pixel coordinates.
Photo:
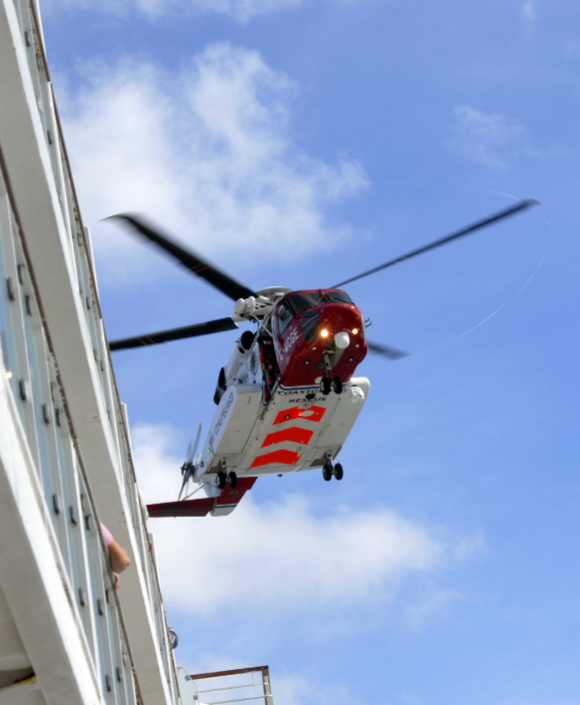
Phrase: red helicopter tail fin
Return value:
(230, 498)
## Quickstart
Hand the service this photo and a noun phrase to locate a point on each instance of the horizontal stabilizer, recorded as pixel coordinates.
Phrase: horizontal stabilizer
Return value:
(222, 505)
(185, 508)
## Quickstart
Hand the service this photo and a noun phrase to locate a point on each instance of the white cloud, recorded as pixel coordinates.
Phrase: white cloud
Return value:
(241, 10)
(283, 554)
(492, 140)
(280, 556)
(156, 467)
(207, 153)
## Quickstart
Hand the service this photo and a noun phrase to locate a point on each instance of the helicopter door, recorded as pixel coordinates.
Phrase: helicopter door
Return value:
(287, 333)
(283, 317)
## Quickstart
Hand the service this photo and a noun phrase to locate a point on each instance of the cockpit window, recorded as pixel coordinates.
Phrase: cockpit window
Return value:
(285, 315)
(338, 297)
(302, 302)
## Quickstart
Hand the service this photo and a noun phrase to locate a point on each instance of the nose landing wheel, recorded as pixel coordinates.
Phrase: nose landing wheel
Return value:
(327, 384)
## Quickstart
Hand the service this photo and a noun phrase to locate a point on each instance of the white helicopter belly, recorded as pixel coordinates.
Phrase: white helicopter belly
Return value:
(299, 429)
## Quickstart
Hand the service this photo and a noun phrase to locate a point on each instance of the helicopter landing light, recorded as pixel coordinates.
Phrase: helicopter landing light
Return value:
(342, 340)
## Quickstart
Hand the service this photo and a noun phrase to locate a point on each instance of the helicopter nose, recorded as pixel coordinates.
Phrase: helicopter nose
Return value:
(342, 340)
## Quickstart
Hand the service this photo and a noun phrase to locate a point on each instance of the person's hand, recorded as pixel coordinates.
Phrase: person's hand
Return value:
(118, 557)
(116, 581)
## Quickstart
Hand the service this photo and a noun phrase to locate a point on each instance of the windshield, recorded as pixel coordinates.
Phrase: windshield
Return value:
(302, 302)
(338, 297)
(285, 315)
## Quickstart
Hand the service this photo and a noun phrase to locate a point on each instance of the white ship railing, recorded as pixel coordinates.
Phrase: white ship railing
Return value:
(241, 685)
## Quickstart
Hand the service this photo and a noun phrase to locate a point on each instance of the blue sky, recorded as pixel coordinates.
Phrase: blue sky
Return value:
(298, 143)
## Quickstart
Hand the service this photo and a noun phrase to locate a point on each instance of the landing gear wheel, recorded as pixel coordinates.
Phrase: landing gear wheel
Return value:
(337, 385)
(221, 479)
(325, 385)
(232, 480)
(338, 471)
(327, 472)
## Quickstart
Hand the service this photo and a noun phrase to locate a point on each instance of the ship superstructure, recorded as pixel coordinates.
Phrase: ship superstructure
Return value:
(66, 636)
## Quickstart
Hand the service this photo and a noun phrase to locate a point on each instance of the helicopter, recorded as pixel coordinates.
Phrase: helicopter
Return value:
(288, 396)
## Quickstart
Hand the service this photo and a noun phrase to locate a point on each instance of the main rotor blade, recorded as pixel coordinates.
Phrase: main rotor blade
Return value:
(484, 222)
(386, 351)
(228, 286)
(164, 336)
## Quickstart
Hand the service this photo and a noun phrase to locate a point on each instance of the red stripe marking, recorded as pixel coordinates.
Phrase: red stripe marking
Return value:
(282, 457)
(317, 412)
(292, 434)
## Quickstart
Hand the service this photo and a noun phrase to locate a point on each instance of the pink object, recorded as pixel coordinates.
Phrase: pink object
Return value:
(107, 535)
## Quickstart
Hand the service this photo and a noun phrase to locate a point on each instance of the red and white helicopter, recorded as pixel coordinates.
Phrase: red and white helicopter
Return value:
(287, 398)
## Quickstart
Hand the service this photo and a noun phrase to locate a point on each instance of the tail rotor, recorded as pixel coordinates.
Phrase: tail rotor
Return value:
(188, 467)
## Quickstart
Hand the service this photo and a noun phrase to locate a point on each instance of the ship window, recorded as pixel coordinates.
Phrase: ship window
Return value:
(285, 315)
(302, 302)
(338, 297)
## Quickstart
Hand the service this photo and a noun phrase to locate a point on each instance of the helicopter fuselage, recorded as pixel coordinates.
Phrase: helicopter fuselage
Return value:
(274, 414)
